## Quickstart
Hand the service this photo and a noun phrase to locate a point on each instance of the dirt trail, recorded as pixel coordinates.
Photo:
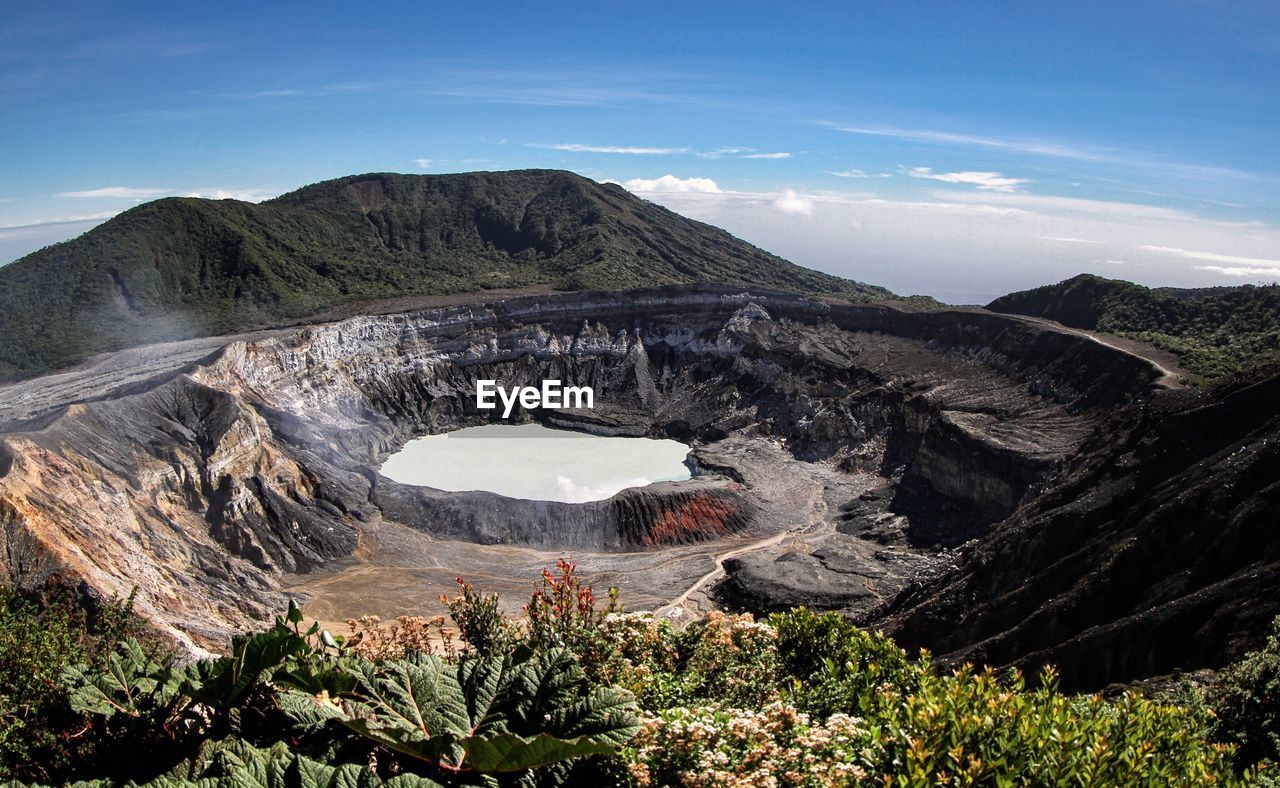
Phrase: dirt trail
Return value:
(803, 498)
(715, 573)
(1172, 376)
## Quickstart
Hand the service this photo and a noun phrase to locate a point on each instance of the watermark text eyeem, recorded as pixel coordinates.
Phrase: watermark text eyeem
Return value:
(551, 395)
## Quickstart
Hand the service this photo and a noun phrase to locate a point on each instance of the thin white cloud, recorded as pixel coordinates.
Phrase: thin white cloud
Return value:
(92, 217)
(794, 203)
(986, 181)
(736, 152)
(1067, 240)
(270, 93)
(117, 193)
(243, 195)
(1039, 147)
(137, 195)
(574, 147)
(17, 240)
(971, 246)
(859, 174)
(720, 153)
(1055, 204)
(1214, 257)
(930, 135)
(423, 163)
(727, 151)
(1258, 272)
(670, 183)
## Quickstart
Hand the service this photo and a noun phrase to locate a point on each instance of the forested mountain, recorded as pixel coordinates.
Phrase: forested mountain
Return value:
(1215, 330)
(184, 267)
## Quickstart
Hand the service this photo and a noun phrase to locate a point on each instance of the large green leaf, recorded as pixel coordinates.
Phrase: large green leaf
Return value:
(420, 694)
(234, 763)
(481, 682)
(487, 714)
(508, 752)
(607, 714)
(131, 683)
(221, 683)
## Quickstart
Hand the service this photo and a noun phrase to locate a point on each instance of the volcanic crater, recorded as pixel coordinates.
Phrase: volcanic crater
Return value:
(840, 451)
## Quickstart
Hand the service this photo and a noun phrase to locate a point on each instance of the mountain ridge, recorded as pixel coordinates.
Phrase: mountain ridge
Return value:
(180, 267)
(1215, 332)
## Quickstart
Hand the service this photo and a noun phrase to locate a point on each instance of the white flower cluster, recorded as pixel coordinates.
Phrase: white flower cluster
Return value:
(716, 747)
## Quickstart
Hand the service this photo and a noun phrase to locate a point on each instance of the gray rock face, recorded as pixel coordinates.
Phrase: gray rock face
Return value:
(201, 485)
(663, 514)
(1152, 549)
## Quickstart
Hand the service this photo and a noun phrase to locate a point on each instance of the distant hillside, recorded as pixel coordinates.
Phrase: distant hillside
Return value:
(1215, 331)
(181, 267)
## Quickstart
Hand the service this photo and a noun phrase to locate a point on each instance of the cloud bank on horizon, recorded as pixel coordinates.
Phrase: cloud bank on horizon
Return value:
(961, 243)
(1134, 141)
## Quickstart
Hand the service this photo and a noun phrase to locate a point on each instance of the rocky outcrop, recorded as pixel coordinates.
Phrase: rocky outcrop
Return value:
(201, 486)
(658, 515)
(1153, 550)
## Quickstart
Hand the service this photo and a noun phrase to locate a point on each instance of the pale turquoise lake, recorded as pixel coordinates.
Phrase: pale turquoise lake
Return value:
(536, 463)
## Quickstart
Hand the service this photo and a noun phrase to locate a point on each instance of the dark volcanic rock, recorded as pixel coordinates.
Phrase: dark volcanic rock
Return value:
(844, 574)
(1156, 549)
(657, 515)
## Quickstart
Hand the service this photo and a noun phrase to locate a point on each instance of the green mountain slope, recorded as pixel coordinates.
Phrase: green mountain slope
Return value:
(178, 268)
(1215, 331)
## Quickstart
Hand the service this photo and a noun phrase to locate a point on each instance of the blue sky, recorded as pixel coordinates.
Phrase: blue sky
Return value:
(958, 149)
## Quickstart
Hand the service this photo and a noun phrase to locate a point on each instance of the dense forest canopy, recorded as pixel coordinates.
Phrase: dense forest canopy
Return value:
(1215, 331)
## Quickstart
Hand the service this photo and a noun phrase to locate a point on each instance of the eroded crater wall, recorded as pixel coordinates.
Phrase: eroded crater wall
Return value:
(202, 487)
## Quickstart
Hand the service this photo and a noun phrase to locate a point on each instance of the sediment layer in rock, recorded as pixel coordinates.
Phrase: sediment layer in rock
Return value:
(202, 485)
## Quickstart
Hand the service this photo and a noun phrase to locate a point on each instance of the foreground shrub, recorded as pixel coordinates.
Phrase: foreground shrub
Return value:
(959, 729)
(1245, 697)
(483, 715)
(727, 659)
(375, 640)
(517, 713)
(562, 611)
(972, 728)
(41, 734)
(236, 764)
(801, 699)
(831, 666)
(481, 625)
(731, 748)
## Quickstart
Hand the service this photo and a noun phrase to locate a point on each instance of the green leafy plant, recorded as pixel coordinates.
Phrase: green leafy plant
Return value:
(485, 714)
(222, 683)
(131, 683)
(833, 666)
(562, 610)
(1245, 697)
(729, 659)
(480, 622)
(41, 735)
(975, 727)
(801, 699)
(237, 764)
(962, 728)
